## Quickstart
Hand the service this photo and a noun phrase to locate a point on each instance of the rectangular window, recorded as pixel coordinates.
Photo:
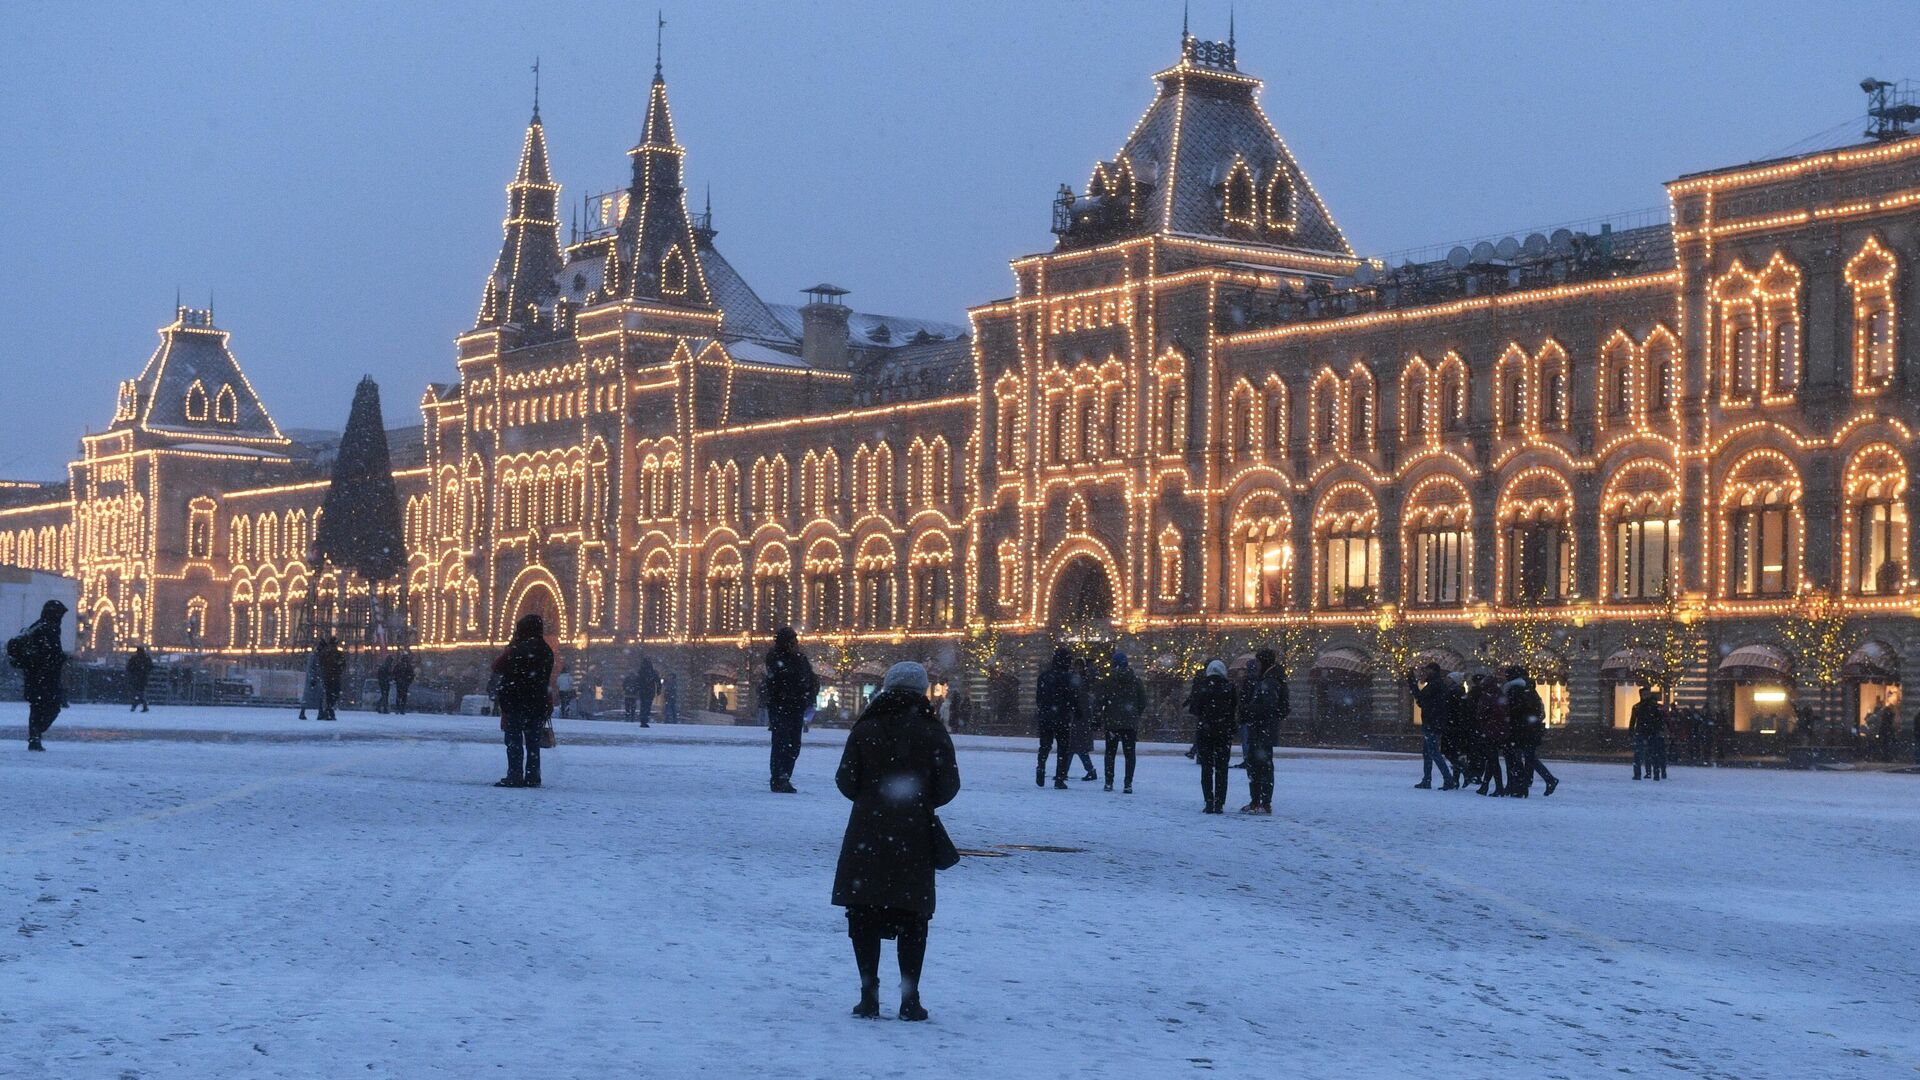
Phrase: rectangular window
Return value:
(1539, 563)
(1350, 569)
(1881, 567)
(1438, 565)
(1760, 551)
(1642, 547)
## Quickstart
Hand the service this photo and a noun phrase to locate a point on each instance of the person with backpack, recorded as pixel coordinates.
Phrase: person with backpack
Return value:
(787, 691)
(897, 769)
(526, 704)
(1265, 707)
(1056, 708)
(1119, 700)
(1528, 716)
(42, 662)
(1214, 705)
(139, 671)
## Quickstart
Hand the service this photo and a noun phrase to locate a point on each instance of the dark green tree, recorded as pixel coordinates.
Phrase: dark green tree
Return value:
(360, 524)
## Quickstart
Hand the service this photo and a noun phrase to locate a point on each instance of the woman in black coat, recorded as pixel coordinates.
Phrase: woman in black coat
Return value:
(524, 669)
(898, 768)
(1213, 703)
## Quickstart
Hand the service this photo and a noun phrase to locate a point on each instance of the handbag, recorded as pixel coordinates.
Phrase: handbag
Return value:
(547, 740)
(945, 855)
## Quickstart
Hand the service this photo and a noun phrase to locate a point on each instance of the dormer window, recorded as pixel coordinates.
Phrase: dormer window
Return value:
(1280, 202)
(226, 408)
(1238, 203)
(673, 273)
(196, 403)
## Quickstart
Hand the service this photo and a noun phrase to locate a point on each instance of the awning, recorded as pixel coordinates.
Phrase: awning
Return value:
(1445, 657)
(1351, 661)
(1628, 661)
(1759, 660)
(1872, 662)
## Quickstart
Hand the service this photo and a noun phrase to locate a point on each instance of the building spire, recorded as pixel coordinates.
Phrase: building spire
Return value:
(536, 89)
(659, 36)
(523, 275)
(1229, 25)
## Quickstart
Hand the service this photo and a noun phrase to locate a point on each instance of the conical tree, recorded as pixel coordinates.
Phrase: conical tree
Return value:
(360, 528)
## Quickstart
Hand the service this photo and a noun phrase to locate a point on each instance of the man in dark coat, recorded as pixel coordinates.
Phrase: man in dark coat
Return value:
(1435, 694)
(1056, 706)
(1527, 715)
(1265, 707)
(526, 703)
(898, 768)
(383, 678)
(1081, 731)
(331, 661)
(403, 673)
(139, 670)
(788, 690)
(639, 688)
(1214, 704)
(42, 663)
(1640, 724)
(1119, 700)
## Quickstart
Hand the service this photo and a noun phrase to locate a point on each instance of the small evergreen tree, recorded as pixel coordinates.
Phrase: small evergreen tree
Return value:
(360, 527)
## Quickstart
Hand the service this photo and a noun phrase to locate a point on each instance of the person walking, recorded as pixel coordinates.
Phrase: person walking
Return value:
(1658, 741)
(37, 652)
(1528, 716)
(331, 662)
(1491, 733)
(566, 691)
(670, 698)
(1434, 693)
(897, 769)
(1055, 706)
(525, 669)
(403, 673)
(1265, 707)
(1645, 714)
(1081, 730)
(139, 671)
(1119, 701)
(640, 686)
(383, 679)
(310, 694)
(1883, 730)
(1214, 704)
(787, 691)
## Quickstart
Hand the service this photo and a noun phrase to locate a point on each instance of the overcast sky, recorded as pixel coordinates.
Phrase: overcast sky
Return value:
(333, 173)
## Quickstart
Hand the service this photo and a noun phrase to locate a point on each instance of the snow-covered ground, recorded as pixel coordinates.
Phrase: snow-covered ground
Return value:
(358, 901)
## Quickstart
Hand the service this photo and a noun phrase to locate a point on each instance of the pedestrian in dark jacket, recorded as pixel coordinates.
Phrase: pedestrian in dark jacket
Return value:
(383, 679)
(1489, 711)
(1527, 715)
(639, 687)
(788, 690)
(1056, 708)
(1435, 694)
(1641, 723)
(1118, 702)
(139, 671)
(1213, 703)
(37, 652)
(1264, 708)
(526, 702)
(331, 662)
(403, 673)
(1081, 730)
(898, 768)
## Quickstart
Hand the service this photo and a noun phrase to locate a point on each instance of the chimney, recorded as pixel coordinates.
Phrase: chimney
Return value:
(823, 329)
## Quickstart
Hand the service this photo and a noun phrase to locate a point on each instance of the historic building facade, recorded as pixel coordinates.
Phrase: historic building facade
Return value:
(1200, 411)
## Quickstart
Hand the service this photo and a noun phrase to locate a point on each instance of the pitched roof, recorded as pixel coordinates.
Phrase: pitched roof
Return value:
(192, 386)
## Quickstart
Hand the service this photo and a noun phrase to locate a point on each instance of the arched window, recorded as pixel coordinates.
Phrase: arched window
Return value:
(1360, 411)
(1453, 395)
(1007, 424)
(931, 565)
(196, 403)
(1008, 565)
(1641, 504)
(824, 590)
(1760, 508)
(1512, 378)
(1238, 200)
(1170, 559)
(1345, 525)
(1535, 513)
(1872, 275)
(1414, 380)
(199, 529)
(673, 273)
(1874, 548)
(1616, 378)
(1661, 372)
(1326, 410)
(873, 571)
(1172, 403)
(772, 591)
(1436, 544)
(1553, 380)
(1261, 529)
(1273, 424)
(226, 409)
(724, 615)
(1281, 212)
(1242, 432)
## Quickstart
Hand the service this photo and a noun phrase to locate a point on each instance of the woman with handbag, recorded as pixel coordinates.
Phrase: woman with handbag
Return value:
(898, 768)
(525, 705)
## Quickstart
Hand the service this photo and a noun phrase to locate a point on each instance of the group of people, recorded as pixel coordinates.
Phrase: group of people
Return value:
(1070, 701)
(1254, 710)
(394, 677)
(1481, 731)
(326, 670)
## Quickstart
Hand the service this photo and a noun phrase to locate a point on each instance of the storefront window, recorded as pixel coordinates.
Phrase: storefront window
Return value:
(1880, 526)
(1642, 548)
(1350, 568)
(1437, 565)
(1761, 548)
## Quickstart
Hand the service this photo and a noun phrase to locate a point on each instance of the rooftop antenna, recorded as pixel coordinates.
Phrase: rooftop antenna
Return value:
(1891, 107)
(659, 35)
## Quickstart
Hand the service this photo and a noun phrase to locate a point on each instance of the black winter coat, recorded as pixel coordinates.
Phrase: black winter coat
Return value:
(897, 768)
(1646, 721)
(789, 685)
(42, 660)
(1056, 701)
(525, 669)
(1119, 700)
(139, 667)
(1213, 703)
(1437, 700)
(1266, 706)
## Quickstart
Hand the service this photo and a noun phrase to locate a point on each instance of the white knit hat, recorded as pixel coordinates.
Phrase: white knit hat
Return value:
(906, 675)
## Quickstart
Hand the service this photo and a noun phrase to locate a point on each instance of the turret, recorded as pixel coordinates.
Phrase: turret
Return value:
(523, 278)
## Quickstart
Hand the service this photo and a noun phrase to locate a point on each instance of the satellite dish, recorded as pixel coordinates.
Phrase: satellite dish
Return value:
(1364, 273)
(1535, 246)
(1482, 252)
(1506, 249)
(1459, 257)
(1561, 241)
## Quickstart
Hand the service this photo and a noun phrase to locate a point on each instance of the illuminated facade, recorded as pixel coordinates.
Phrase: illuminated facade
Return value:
(1201, 408)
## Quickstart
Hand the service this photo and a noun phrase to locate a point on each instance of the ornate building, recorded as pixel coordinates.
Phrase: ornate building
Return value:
(1200, 409)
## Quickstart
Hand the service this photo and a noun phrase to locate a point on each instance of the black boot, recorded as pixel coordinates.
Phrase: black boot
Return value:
(912, 949)
(33, 743)
(1040, 776)
(1060, 782)
(866, 956)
